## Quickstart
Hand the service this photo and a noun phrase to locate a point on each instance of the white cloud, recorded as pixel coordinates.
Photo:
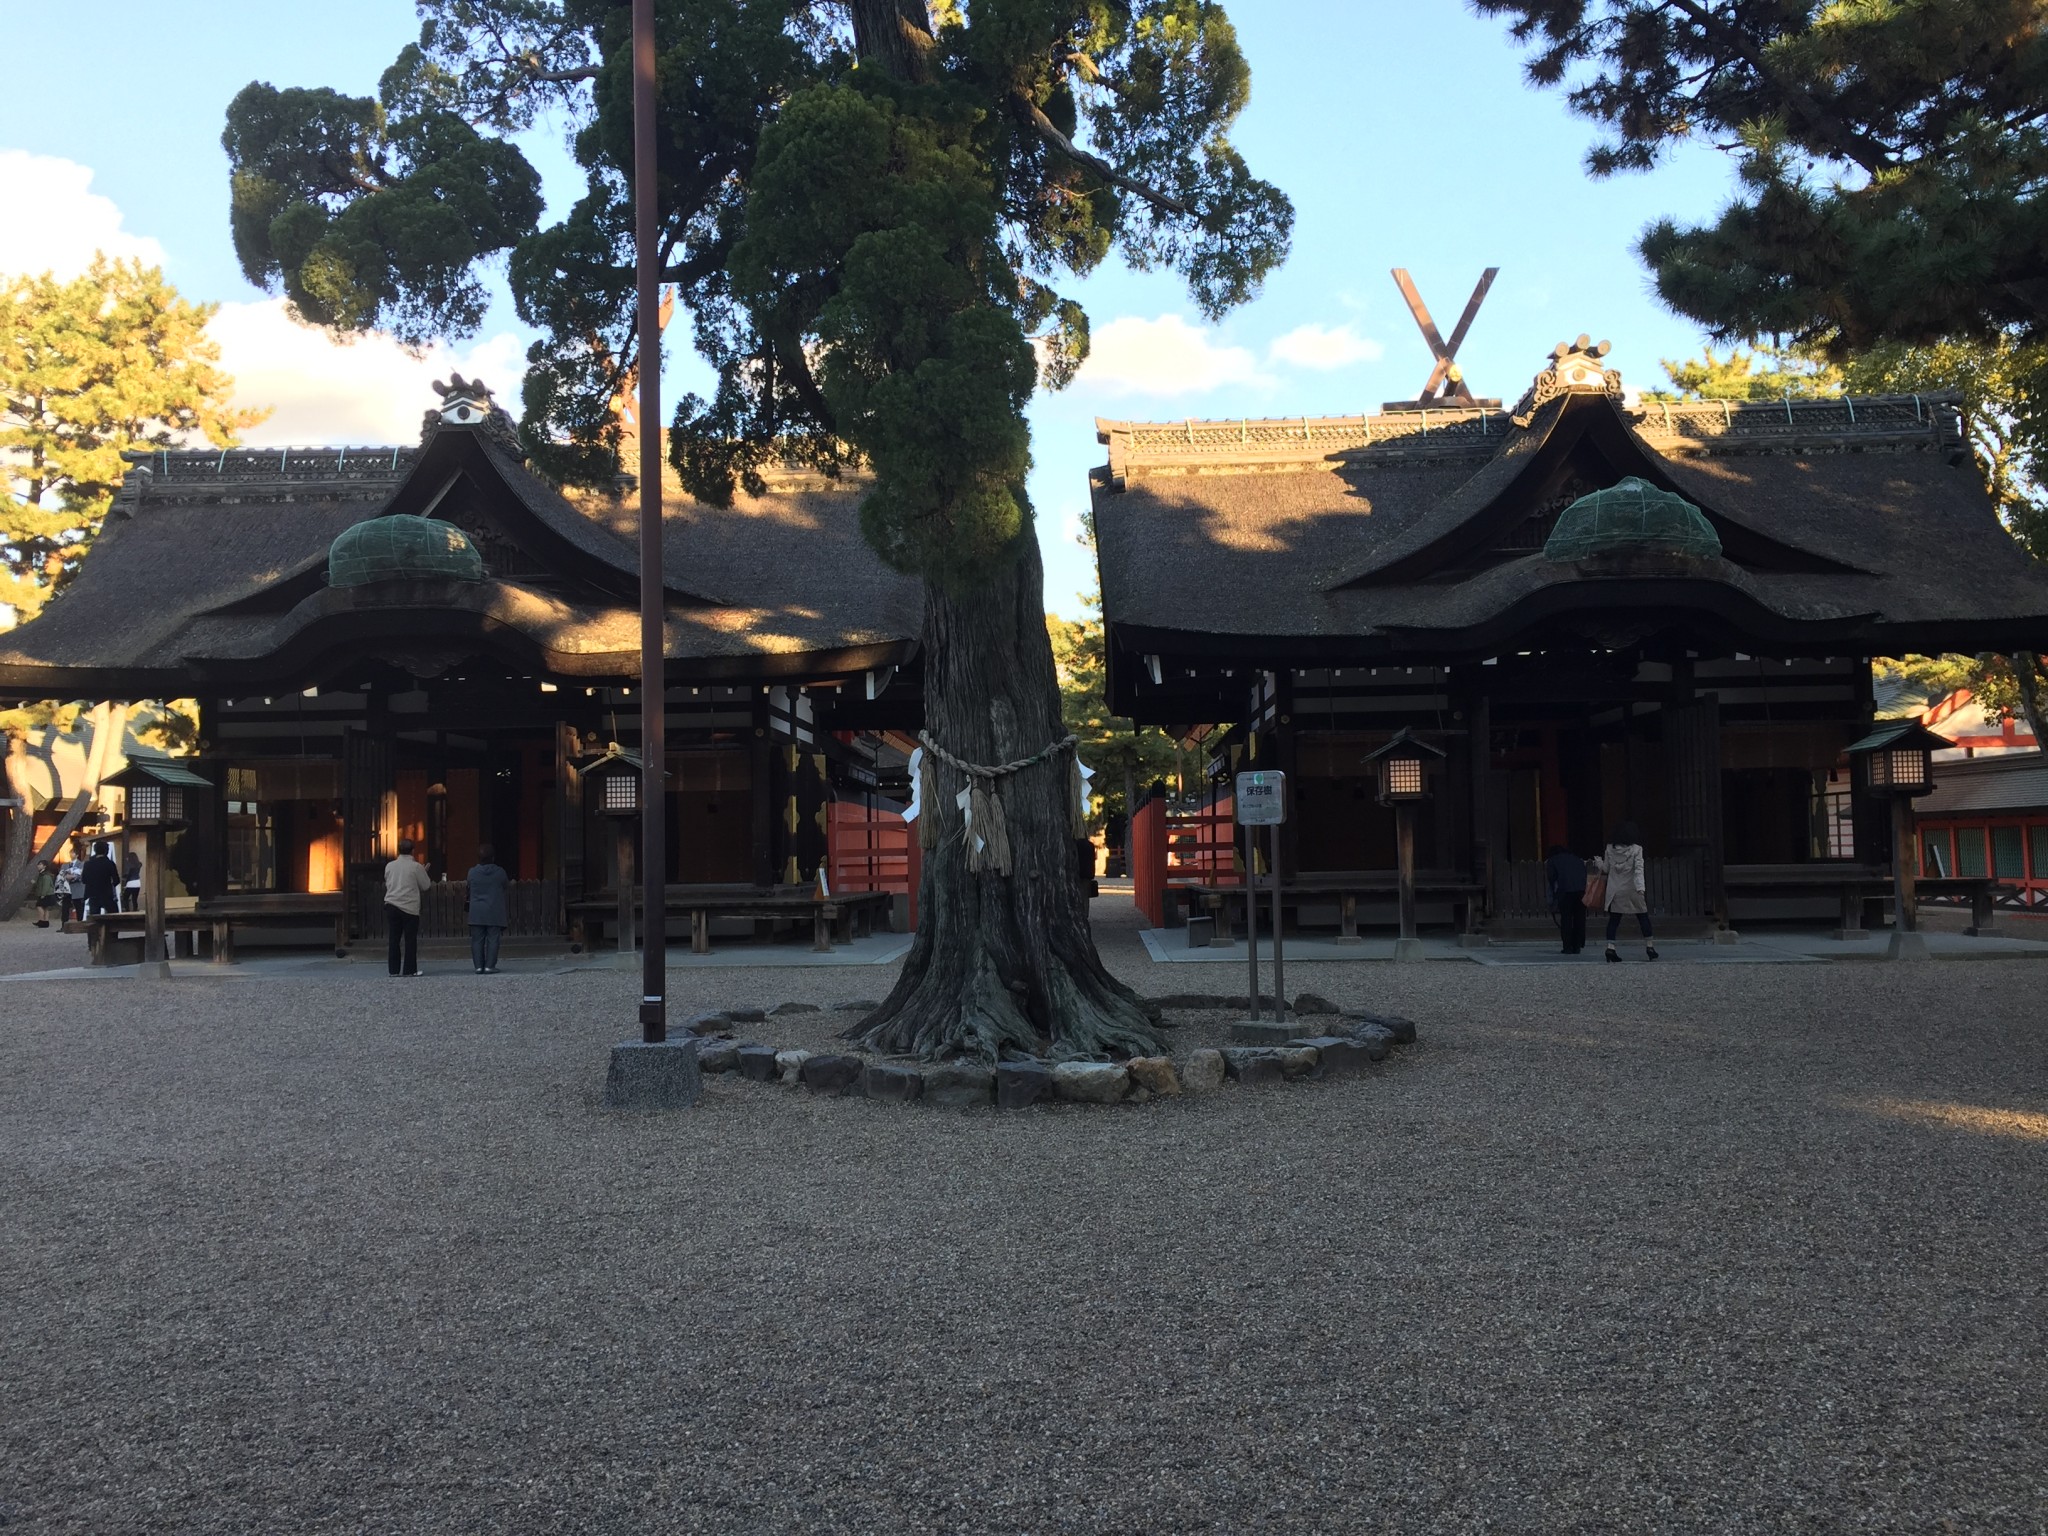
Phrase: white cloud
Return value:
(369, 390)
(1166, 356)
(320, 391)
(1324, 348)
(55, 221)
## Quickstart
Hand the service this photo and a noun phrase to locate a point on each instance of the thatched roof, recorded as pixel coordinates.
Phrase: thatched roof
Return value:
(1855, 525)
(212, 570)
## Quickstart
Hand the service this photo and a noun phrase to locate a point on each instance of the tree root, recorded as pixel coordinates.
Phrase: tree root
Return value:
(935, 1015)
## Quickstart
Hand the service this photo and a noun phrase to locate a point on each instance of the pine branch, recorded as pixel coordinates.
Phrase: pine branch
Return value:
(1858, 148)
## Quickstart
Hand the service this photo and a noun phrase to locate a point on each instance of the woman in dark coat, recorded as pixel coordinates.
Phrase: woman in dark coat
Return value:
(488, 916)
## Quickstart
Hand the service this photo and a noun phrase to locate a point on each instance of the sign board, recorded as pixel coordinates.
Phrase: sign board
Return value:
(1261, 799)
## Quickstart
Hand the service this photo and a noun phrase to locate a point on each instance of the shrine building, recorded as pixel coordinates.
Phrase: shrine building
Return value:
(1598, 611)
(433, 642)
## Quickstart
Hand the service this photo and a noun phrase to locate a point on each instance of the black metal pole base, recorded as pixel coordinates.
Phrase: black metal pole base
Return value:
(653, 1020)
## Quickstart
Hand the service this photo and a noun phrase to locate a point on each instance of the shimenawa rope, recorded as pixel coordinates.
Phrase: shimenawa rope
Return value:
(988, 844)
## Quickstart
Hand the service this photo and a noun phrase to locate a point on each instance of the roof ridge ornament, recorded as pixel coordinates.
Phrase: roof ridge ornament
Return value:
(1446, 384)
(468, 403)
(1575, 368)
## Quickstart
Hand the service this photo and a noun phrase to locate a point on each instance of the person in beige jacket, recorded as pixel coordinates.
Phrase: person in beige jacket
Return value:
(405, 881)
(1627, 889)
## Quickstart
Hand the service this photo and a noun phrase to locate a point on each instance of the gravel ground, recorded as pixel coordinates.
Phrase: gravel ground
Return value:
(1621, 1249)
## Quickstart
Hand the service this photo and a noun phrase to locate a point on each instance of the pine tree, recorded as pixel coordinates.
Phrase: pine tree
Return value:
(89, 369)
(1893, 155)
(865, 206)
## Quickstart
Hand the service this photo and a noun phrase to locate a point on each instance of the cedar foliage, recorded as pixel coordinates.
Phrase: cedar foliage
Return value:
(109, 361)
(864, 206)
(1893, 155)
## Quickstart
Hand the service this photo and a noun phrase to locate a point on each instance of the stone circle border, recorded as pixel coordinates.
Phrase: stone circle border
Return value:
(1338, 1044)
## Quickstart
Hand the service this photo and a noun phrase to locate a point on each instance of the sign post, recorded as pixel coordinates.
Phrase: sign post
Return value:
(1262, 802)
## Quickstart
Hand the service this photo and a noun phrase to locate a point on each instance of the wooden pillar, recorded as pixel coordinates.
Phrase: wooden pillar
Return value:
(761, 778)
(627, 836)
(155, 962)
(1480, 773)
(1407, 946)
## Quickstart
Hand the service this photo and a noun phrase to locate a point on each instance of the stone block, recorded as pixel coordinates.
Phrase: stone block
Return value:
(1201, 932)
(1202, 1072)
(715, 1055)
(791, 1065)
(831, 1073)
(708, 1024)
(746, 1015)
(1091, 1082)
(786, 1008)
(1298, 1060)
(1250, 1064)
(1400, 1030)
(758, 1063)
(1155, 1075)
(1264, 1031)
(1337, 1055)
(892, 1083)
(1377, 1043)
(959, 1085)
(1020, 1084)
(1311, 1002)
(643, 1076)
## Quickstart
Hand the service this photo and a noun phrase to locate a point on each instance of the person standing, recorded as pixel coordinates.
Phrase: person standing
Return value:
(1627, 889)
(405, 881)
(100, 879)
(70, 890)
(488, 914)
(131, 881)
(1566, 872)
(46, 894)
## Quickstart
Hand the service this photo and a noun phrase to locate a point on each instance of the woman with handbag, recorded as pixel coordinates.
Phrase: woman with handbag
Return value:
(1621, 874)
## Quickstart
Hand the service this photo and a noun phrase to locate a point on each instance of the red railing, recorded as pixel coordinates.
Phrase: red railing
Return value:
(872, 851)
(1180, 848)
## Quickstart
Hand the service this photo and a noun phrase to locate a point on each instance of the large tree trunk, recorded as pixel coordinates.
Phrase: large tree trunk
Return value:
(1002, 963)
(110, 727)
(14, 861)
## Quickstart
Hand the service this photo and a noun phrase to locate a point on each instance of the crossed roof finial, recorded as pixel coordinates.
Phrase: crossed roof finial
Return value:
(1446, 384)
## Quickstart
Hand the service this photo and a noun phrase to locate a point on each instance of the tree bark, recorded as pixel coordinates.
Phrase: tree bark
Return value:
(1002, 964)
(2027, 674)
(14, 860)
(896, 35)
(110, 725)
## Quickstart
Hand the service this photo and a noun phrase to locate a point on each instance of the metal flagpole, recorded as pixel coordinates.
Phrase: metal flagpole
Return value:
(653, 673)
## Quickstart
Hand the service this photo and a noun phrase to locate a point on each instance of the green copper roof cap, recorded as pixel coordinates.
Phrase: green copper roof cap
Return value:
(402, 548)
(1632, 516)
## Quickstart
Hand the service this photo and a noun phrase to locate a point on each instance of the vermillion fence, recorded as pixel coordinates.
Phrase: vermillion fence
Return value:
(1181, 848)
(872, 850)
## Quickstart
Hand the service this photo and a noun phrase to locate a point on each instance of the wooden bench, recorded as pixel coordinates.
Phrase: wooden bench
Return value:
(1863, 890)
(840, 919)
(272, 909)
(1346, 890)
(105, 931)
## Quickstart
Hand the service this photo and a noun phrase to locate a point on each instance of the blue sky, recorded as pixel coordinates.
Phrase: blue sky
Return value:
(1402, 129)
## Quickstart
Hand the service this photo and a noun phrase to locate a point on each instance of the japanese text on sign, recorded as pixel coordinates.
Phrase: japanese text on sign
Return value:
(1261, 799)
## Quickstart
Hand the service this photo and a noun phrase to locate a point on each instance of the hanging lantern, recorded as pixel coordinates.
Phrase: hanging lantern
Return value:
(156, 791)
(615, 779)
(1898, 758)
(1406, 766)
